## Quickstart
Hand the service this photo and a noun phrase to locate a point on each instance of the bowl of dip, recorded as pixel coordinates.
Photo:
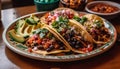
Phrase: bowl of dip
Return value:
(105, 9)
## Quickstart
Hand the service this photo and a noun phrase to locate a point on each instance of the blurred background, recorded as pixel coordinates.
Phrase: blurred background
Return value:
(18, 3)
(15, 3)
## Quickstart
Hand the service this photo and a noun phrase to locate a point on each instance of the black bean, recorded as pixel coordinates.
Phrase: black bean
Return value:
(70, 43)
(72, 33)
(60, 43)
(48, 49)
(68, 36)
(77, 42)
(62, 48)
(73, 43)
(68, 39)
(51, 46)
(35, 44)
(77, 46)
(74, 40)
(40, 47)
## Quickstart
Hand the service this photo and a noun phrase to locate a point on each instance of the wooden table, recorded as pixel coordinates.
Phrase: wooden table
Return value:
(11, 60)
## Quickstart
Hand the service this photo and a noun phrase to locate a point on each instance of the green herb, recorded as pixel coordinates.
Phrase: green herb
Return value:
(33, 32)
(61, 23)
(83, 19)
(49, 35)
(26, 36)
(77, 18)
(21, 46)
(80, 20)
(63, 19)
(55, 24)
(98, 23)
(42, 35)
(11, 39)
(38, 31)
(42, 32)
(16, 26)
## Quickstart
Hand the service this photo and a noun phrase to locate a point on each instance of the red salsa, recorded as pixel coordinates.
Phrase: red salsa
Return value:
(104, 8)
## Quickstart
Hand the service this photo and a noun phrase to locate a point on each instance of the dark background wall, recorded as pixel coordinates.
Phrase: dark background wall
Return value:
(18, 3)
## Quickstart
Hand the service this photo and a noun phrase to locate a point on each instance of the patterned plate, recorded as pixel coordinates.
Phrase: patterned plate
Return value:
(65, 58)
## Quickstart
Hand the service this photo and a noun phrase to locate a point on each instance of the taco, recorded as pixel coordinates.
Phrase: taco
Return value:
(95, 27)
(44, 41)
(73, 36)
(75, 39)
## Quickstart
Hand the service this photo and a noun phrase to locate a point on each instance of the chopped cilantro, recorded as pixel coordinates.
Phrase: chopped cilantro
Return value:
(41, 32)
(98, 23)
(21, 46)
(55, 24)
(42, 35)
(33, 32)
(83, 19)
(77, 18)
(80, 20)
(61, 23)
(50, 35)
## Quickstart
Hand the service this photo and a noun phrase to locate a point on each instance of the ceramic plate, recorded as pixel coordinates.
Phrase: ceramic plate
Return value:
(65, 58)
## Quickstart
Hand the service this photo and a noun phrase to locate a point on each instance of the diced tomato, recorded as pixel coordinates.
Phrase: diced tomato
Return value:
(46, 45)
(30, 40)
(48, 21)
(29, 49)
(71, 16)
(35, 38)
(90, 49)
(54, 18)
(56, 46)
(84, 50)
(46, 15)
(39, 41)
(63, 30)
(87, 49)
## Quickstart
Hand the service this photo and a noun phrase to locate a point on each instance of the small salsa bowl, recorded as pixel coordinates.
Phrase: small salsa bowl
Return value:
(105, 9)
